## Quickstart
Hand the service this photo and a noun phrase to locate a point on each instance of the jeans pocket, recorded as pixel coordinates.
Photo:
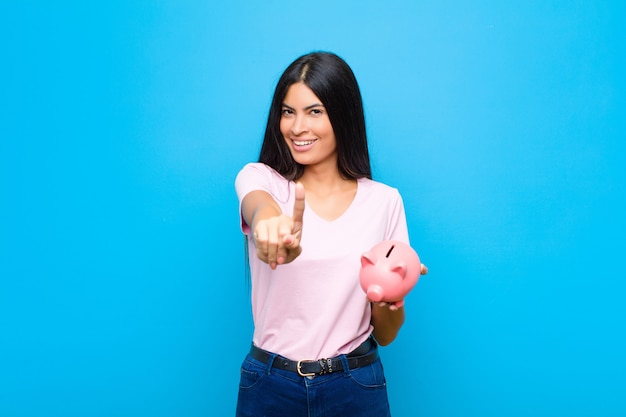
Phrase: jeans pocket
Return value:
(251, 374)
(369, 377)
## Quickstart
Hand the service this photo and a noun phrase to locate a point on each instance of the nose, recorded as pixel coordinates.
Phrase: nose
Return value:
(299, 126)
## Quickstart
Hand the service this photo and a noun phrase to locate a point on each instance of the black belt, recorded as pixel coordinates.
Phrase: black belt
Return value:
(364, 355)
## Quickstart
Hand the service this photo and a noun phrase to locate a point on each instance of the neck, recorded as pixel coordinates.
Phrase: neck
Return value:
(315, 179)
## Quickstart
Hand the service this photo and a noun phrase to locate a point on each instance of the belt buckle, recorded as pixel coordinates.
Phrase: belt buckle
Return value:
(299, 368)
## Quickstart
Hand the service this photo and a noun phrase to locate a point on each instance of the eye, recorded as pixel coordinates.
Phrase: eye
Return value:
(286, 112)
(317, 112)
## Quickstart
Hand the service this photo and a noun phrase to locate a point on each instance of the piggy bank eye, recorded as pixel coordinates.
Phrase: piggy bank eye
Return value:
(390, 250)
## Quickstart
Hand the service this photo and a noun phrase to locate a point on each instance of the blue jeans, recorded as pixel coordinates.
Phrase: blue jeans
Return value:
(270, 392)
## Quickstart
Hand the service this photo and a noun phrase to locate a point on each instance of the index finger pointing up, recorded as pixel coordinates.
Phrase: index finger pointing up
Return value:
(298, 207)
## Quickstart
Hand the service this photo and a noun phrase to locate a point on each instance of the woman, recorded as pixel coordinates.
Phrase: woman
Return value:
(310, 209)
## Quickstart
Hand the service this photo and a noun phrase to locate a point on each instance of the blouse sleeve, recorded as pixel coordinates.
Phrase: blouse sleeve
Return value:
(397, 227)
(250, 178)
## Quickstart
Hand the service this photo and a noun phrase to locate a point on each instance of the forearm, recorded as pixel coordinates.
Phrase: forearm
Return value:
(386, 323)
(257, 206)
(264, 211)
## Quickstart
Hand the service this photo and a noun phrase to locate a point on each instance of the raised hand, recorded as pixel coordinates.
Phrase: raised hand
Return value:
(277, 238)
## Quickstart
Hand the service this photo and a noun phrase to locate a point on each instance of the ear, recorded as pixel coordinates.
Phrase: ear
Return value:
(368, 258)
(399, 268)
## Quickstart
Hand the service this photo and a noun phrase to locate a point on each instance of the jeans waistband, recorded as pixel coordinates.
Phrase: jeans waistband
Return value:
(365, 354)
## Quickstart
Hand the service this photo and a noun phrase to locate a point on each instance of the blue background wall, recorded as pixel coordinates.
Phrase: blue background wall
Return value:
(123, 125)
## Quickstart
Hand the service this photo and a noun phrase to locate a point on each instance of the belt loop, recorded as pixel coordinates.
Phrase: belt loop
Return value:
(346, 366)
(270, 363)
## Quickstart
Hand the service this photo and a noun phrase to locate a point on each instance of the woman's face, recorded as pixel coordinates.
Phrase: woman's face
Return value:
(306, 128)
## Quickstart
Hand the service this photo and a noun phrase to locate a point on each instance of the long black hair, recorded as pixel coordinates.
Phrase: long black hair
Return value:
(334, 83)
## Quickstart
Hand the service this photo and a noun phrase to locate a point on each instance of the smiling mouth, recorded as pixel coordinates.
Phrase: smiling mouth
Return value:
(303, 142)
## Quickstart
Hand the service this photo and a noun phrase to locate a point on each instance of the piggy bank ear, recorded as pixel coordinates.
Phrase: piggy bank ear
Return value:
(399, 268)
(368, 258)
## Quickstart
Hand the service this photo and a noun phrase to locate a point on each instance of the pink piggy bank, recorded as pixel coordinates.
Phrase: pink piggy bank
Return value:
(389, 271)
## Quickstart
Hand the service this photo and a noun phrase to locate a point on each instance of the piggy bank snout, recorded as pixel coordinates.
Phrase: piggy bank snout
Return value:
(375, 293)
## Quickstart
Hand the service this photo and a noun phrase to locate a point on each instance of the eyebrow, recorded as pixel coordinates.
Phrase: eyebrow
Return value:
(306, 108)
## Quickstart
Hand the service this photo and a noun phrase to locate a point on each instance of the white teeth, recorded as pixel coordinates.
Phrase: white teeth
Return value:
(303, 142)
